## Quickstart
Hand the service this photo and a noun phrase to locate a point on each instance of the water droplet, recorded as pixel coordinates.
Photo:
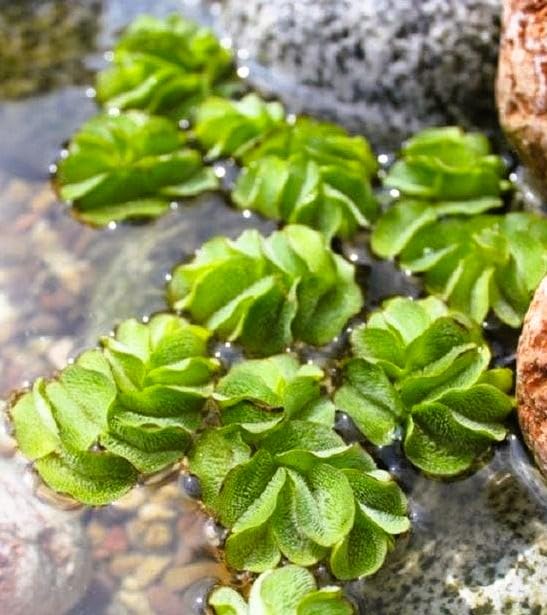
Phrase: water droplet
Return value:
(112, 225)
(226, 41)
(383, 159)
(353, 257)
(173, 205)
(52, 168)
(247, 213)
(90, 92)
(219, 170)
(513, 177)
(108, 56)
(243, 72)
(394, 193)
(191, 485)
(291, 118)
(113, 111)
(63, 153)
(243, 54)
(145, 319)
(168, 277)
(228, 345)
(184, 124)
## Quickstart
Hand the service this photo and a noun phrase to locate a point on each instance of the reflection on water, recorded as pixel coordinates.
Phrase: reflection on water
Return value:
(478, 545)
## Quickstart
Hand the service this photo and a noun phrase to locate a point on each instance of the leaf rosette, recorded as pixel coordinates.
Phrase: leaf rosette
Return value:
(165, 67)
(259, 394)
(125, 409)
(298, 492)
(423, 369)
(267, 292)
(290, 590)
(442, 172)
(482, 264)
(230, 128)
(129, 166)
(310, 173)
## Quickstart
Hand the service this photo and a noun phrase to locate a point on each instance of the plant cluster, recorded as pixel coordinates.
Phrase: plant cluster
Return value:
(267, 292)
(165, 67)
(286, 591)
(423, 369)
(310, 173)
(130, 165)
(129, 407)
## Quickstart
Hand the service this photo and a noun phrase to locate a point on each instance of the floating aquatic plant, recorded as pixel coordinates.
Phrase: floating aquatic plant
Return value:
(289, 590)
(259, 394)
(422, 369)
(129, 166)
(310, 173)
(127, 408)
(165, 67)
(230, 128)
(482, 263)
(298, 492)
(267, 292)
(442, 172)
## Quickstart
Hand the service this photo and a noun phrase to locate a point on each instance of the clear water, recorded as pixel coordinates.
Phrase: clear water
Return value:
(478, 545)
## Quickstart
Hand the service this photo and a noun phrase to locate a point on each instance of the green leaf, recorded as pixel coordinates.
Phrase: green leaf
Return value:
(165, 66)
(254, 549)
(129, 166)
(289, 590)
(310, 173)
(94, 478)
(266, 292)
(229, 128)
(424, 369)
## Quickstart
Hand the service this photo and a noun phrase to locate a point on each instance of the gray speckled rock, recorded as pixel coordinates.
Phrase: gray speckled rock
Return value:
(382, 67)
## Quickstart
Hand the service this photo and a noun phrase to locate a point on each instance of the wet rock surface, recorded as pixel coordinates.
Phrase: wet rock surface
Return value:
(532, 377)
(386, 68)
(522, 83)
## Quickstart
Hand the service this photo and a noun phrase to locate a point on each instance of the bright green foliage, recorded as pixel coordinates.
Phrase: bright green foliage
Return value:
(258, 394)
(129, 407)
(442, 172)
(299, 492)
(267, 292)
(423, 369)
(289, 590)
(129, 166)
(230, 128)
(483, 263)
(166, 67)
(310, 173)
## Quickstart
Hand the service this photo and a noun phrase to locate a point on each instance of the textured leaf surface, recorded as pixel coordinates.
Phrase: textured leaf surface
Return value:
(268, 291)
(166, 67)
(127, 408)
(288, 590)
(424, 370)
(442, 172)
(296, 494)
(129, 166)
(310, 173)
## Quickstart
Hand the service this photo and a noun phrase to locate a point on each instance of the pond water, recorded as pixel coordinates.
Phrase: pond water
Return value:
(478, 545)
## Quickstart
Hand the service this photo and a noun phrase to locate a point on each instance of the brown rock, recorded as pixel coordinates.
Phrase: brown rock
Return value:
(521, 87)
(532, 377)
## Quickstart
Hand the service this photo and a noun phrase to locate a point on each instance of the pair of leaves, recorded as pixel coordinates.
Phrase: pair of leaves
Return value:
(230, 128)
(267, 292)
(165, 67)
(301, 493)
(442, 172)
(310, 173)
(125, 409)
(289, 590)
(129, 166)
(483, 263)
(257, 395)
(419, 367)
